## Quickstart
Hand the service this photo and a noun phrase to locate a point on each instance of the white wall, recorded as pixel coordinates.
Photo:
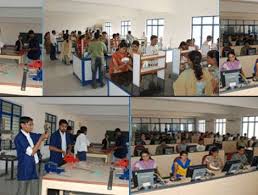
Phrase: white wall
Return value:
(178, 20)
(11, 27)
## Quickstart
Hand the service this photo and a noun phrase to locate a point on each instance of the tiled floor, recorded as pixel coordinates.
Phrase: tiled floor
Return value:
(60, 81)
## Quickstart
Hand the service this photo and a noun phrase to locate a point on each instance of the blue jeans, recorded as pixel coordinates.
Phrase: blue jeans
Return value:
(82, 156)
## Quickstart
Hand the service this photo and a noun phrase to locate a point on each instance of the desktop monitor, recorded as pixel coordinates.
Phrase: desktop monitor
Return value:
(168, 150)
(144, 179)
(209, 147)
(255, 162)
(232, 167)
(191, 148)
(251, 51)
(156, 142)
(196, 172)
(230, 78)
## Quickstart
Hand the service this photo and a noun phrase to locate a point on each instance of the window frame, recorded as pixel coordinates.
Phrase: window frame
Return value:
(248, 123)
(125, 27)
(47, 142)
(219, 122)
(158, 25)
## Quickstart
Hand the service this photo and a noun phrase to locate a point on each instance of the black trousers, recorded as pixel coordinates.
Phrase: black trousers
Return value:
(53, 52)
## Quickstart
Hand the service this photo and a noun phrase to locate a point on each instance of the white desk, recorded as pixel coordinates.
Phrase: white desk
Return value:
(79, 180)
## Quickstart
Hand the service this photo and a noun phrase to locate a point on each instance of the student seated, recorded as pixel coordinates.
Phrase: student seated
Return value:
(143, 139)
(182, 146)
(120, 60)
(195, 81)
(180, 165)
(244, 50)
(201, 147)
(240, 155)
(213, 161)
(241, 142)
(232, 62)
(153, 48)
(160, 149)
(145, 162)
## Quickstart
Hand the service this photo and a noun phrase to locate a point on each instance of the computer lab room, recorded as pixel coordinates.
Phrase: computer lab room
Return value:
(194, 145)
(239, 48)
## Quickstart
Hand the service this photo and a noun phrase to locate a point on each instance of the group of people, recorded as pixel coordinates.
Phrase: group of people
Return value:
(33, 49)
(181, 163)
(195, 79)
(62, 143)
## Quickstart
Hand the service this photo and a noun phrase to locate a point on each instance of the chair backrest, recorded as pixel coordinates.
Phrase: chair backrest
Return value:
(138, 149)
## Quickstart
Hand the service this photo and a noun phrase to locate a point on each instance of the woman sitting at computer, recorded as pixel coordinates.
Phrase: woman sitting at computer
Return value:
(180, 166)
(256, 71)
(232, 62)
(145, 162)
(195, 81)
(213, 161)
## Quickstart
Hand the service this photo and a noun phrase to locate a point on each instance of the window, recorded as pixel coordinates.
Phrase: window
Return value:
(203, 26)
(108, 28)
(50, 124)
(155, 27)
(220, 126)
(236, 27)
(202, 126)
(250, 126)
(71, 124)
(9, 121)
(125, 27)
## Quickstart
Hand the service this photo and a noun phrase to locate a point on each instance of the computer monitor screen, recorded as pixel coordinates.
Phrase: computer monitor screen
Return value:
(144, 179)
(191, 148)
(232, 166)
(230, 78)
(156, 142)
(255, 162)
(196, 172)
(169, 150)
(251, 51)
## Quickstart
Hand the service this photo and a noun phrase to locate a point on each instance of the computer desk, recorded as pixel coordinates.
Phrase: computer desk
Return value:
(249, 90)
(81, 180)
(98, 153)
(245, 183)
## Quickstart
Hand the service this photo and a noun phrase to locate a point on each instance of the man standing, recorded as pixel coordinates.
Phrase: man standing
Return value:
(129, 38)
(121, 149)
(97, 49)
(60, 144)
(34, 51)
(53, 46)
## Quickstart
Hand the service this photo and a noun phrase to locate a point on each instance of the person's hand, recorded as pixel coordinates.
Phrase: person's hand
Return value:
(44, 136)
(63, 152)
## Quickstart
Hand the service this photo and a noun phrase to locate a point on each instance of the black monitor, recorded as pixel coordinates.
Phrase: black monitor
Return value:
(232, 167)
(191, 148)
(196, 172)
(168, 150)
(230, 78)
(144, 179)
(209, 147)
(255, 162)
(251, 51)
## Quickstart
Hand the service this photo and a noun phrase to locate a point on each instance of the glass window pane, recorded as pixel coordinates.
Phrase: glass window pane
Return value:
(16, 125)
(6, 122)
(245, 128)
(207, 20)
(155, 30)
(197, 20)
(6, 107)
(161, 31)
(206, 31)
(245, 119)
(154, 22)
(240, 22)
(149, 22)
(256, 130)
(145, 120)
(250, 130)
(224, 22)
(216, 34)
(16, 110)
(216, 20)
(197, 35)
(161, 22)
(232, 22)
(251, 118)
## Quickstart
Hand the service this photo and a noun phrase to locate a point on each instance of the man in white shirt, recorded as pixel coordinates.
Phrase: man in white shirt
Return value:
(206, 46)
(153, 49)
(81, 145)
(53, 46)
(129, 38)
(201, 147)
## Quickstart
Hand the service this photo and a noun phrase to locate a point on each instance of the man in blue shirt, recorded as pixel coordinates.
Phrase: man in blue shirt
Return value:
(27, 145)
(60, 144)
(121, 149)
